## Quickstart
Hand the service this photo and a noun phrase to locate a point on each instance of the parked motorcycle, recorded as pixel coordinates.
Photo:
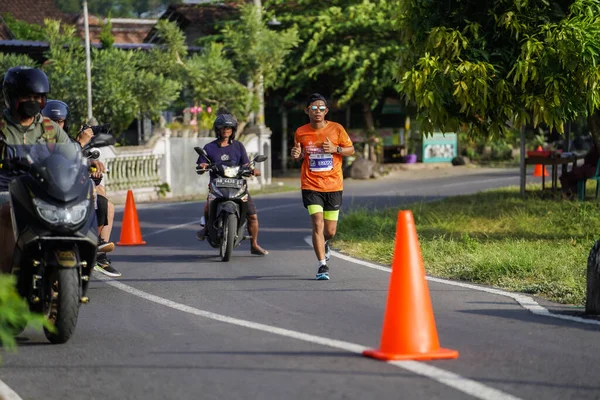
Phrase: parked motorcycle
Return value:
(55, 227)
(227, 204)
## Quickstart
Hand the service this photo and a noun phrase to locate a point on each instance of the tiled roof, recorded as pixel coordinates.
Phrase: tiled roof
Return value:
(124, 30)
(33, 11)
(5, 33)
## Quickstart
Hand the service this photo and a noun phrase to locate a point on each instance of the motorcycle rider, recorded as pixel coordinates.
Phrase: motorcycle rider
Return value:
(226, 150)
(59, 112)
(25, 92)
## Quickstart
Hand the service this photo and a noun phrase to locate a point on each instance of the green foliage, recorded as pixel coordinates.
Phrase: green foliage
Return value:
(493, 238)
(125, 84)
(106, 37)
(14, 312)
(69, 6)
(489, 66)
(66, 70)
(212, 79)
(163, 189)
(22, 30)
(258, 50)
(350, 47)
(208, 78)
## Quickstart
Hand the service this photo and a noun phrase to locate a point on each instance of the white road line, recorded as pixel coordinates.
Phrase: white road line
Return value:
(526, 302)
(460, 383)
(197, 221)
(6, 393)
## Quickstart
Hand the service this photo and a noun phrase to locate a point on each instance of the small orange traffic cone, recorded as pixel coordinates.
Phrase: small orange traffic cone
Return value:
(537, 171)
(409, 331)
(131, 234)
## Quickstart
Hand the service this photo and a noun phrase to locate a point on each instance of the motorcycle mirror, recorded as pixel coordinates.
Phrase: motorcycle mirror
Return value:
(94, 154)
(101, 140)
(200, 151)
(260, 158)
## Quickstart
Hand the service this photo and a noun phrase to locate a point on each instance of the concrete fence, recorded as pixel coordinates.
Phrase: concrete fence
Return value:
(170, 162)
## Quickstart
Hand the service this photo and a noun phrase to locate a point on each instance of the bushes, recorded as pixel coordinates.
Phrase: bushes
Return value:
(14, 312)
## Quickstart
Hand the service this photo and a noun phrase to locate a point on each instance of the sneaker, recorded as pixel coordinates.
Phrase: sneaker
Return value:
(323, 273)
(104, 266)
(327, 250)
(104, 246)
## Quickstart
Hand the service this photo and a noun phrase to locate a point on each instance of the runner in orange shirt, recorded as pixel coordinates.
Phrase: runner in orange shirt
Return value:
(322, 144)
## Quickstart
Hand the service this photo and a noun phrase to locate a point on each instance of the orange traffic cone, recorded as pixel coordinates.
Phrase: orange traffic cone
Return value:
(131, 234)
(537, 171)
(409, 331)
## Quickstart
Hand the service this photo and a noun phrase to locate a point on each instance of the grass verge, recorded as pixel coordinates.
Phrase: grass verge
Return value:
(495, 238)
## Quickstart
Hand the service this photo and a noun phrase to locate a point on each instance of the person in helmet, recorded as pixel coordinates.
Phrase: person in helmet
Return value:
(25, 91)
(58, 111)
(226, 150)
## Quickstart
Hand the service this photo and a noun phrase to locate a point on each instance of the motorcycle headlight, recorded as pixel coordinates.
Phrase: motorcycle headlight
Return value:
(230, 172)
(62, 215)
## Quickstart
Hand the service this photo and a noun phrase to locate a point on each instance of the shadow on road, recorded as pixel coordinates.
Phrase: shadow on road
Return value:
(526, 316)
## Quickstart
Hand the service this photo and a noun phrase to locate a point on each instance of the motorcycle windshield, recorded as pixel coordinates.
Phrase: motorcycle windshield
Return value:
(60, 169)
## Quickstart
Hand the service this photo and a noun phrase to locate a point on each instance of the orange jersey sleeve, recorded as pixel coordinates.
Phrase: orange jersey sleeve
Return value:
(322, 171)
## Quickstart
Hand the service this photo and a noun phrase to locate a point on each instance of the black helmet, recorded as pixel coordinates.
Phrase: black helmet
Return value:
(57, 110)
(22, 81)
(225, 121)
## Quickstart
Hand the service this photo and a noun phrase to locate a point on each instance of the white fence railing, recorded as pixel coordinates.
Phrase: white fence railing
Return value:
(137, 168)
(145, 169)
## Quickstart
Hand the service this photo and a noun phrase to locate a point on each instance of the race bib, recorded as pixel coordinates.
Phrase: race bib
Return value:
(320, 162)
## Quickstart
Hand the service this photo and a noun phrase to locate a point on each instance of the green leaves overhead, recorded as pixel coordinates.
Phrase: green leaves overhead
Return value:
(352, 46)
(488, 66)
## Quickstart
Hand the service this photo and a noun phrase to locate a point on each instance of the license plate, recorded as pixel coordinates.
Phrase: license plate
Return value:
(228, 183)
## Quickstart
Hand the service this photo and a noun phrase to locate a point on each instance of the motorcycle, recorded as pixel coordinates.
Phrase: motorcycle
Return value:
(55, 228)
(227, 204)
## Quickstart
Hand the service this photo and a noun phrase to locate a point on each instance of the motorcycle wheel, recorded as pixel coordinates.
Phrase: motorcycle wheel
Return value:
(229, 228)
(63, 306)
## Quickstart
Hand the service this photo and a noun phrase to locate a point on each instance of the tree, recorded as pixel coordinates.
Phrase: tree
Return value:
(349, 45)
(223, 89)
(490, 66)
(208, 78)
(258, 52)
(125, 84)
(244, 50)
(22, 30)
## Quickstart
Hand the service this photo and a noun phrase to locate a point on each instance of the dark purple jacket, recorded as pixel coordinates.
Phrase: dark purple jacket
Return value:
(232, 155)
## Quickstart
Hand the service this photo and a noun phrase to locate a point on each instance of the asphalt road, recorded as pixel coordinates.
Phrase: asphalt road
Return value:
(180, 324)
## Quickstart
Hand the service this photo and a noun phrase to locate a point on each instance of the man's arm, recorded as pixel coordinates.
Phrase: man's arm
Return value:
(61, 135)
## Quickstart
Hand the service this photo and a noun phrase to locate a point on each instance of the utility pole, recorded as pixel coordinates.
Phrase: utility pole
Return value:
(260, 89)
(88, 66)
